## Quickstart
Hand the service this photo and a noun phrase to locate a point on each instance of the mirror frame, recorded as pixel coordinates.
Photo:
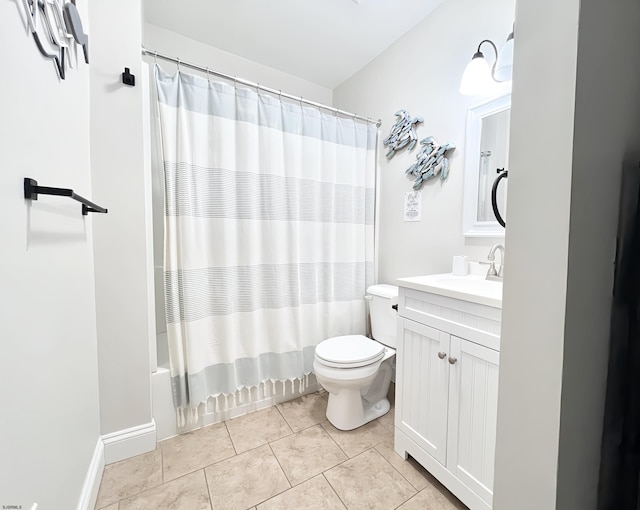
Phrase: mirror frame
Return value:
(471, 226)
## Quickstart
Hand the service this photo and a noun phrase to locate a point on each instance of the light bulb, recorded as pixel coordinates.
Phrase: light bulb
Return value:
(476, 80)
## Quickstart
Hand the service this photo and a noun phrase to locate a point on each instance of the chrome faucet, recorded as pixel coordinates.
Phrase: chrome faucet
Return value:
(492, 274)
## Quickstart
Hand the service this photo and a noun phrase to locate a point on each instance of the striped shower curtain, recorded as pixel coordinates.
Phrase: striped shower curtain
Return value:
(269, 236)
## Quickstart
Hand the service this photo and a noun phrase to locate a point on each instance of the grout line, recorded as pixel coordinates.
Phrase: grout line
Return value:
(201, 467)
(346, 460)
(308, 427)
(385, 460)
(161, 462)
(193, 470)
(401, 475)
(332, 439)
(229, 458)
(281, 468)
(397, 471)
(279, 411)
(414, 496)
(149, 489)
(238, 455)
(230, 438)
(269, 444)
(139, 491)
(277, 406)
(267, 500)
(206, 480)
(305, 427)
(333, 489)
(313, 475)
(285, 476)
(283, 417)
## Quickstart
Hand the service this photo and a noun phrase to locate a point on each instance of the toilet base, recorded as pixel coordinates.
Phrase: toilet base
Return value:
(348, 410)
(373, 411)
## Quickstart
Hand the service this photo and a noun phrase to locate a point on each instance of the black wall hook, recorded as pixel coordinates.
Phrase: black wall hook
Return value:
(128, 78)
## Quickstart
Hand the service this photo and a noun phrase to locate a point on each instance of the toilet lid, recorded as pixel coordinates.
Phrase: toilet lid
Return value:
(352, 350)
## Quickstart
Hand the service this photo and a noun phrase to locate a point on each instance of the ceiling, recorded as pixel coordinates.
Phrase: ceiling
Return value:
(322, 41)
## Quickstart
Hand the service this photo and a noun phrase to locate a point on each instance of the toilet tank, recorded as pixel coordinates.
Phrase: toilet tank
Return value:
(383, 318)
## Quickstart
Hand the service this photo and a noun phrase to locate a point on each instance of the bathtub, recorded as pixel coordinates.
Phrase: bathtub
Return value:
(162, 398)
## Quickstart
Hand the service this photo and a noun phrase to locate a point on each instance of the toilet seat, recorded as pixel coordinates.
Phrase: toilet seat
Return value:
(349, 351)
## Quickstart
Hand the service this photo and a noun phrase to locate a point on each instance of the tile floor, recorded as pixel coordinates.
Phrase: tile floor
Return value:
(284, 457)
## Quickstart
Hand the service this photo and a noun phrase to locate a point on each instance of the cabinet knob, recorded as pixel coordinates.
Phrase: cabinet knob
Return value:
(442, 355)
(453, 360)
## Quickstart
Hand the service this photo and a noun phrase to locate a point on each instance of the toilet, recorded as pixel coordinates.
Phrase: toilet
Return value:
(355, 370)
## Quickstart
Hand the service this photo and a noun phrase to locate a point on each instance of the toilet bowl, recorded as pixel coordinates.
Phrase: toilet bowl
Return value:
(355, 370)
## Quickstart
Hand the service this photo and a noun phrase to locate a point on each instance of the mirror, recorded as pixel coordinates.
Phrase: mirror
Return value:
(486, 151)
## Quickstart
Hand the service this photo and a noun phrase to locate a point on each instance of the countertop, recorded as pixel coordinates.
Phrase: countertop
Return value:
(472, 288)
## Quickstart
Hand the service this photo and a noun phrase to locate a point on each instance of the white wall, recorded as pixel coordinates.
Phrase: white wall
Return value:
(165, 41)
(123, 264)
(575, 91)
(534, 294)
(421, 73)
(48, 361)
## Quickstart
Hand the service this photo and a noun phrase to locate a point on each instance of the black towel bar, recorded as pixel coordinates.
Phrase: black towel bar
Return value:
(32, 190)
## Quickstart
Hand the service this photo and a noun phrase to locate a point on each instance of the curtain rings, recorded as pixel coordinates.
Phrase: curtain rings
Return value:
(178, 60)
(208, 80)
(155, 57)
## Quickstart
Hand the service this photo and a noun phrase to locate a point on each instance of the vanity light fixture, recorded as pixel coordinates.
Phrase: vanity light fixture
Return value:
(504, 64)
(478, 79)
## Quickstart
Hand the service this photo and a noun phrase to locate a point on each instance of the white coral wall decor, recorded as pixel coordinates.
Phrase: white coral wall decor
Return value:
(59, 34)
(431, 161)
(403, 133)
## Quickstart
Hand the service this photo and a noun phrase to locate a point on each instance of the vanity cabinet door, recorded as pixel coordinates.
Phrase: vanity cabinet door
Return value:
(423, 385)
(473, 409)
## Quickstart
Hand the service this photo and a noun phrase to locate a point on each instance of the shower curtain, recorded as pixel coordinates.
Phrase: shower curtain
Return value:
(269, 237)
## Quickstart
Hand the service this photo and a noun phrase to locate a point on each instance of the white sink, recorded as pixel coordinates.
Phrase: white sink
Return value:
(473, 288)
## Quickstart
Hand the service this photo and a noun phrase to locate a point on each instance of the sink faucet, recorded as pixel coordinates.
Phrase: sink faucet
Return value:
(492, 273)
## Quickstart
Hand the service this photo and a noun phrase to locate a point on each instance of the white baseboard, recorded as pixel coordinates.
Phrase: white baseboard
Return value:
(127, 443)
(112, 448)
(89, 494)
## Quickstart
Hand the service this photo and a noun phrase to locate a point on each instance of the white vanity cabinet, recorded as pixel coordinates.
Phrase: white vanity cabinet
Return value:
(447, 389)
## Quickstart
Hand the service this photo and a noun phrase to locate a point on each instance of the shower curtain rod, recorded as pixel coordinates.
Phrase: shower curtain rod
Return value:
(257, 86)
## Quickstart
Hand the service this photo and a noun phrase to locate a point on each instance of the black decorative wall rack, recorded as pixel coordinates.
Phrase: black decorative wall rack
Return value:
(32, 190)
